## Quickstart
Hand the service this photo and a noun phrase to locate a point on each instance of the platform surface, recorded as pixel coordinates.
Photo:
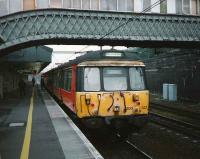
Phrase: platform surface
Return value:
(46, 132)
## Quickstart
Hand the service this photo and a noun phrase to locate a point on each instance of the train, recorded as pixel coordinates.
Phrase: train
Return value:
(105, 87)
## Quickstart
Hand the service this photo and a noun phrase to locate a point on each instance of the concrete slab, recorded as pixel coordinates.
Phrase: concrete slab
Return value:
(73, 142)
(53, 134)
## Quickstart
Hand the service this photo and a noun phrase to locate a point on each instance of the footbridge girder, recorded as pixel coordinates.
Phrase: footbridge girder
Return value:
(62, 26)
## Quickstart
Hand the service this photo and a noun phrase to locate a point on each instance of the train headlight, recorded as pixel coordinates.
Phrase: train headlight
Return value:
(87, 99)
(135, 97)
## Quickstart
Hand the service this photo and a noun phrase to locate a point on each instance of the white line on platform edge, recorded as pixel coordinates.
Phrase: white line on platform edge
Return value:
(90, 147)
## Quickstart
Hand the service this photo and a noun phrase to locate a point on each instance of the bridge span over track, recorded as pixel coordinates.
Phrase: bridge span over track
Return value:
(61, 26)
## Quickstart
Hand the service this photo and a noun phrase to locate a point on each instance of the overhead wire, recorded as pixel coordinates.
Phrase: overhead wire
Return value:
(143, 11)
(60, 61)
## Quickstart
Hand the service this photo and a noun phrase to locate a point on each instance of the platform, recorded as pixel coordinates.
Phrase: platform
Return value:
(35, 127)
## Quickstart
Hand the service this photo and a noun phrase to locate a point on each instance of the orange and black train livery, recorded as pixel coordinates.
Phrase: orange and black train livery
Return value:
(102, 87)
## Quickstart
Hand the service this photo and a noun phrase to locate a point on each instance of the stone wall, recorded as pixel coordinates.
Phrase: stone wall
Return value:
(181, 68)
(8, 79)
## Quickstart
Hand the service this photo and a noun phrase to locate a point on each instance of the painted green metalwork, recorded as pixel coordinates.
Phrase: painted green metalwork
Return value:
(33, 54)
(59, 26)
(29, 59)
(1, 39)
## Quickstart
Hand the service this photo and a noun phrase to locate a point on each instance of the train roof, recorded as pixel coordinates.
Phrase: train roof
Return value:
(117, 55)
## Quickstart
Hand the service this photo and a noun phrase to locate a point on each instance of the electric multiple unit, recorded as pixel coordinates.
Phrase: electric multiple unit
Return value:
(103, 87)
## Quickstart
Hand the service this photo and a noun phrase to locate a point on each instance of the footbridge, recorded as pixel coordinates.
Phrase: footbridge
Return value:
(64, 26)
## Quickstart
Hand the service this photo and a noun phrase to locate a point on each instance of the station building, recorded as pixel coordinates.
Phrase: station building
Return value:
(188, 7)
(179, 7)
(52, 129)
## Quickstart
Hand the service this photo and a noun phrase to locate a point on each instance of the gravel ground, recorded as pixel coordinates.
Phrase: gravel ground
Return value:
(112, 147)
(162, 143)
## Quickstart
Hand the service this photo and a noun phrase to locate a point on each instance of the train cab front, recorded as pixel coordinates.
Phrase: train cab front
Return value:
(112, 93)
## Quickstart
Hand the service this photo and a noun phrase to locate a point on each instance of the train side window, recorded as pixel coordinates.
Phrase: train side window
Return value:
(57, 79)
(136, 78)
(61, 82)
(92, 79)
(54, 79)
(67, 79)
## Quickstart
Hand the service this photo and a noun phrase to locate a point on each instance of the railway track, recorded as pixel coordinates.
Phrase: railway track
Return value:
(113, 146)
(136, 148)
(175, 124)
(139, 150)
(175, 110)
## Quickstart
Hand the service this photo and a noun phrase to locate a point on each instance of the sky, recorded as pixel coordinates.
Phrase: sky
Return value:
(80, 48)
(64, 53)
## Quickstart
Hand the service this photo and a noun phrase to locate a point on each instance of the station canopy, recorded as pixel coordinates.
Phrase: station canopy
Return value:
(29, 60)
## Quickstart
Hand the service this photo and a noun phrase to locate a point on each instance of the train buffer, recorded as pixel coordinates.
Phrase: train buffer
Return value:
(34, 126)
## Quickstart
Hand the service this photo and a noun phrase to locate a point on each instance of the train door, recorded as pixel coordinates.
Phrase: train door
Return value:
(54, 83)
(67, 93)
(61, 84)
(57, 84)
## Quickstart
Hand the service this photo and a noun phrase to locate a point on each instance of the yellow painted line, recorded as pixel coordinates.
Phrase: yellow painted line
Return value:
(27, 138)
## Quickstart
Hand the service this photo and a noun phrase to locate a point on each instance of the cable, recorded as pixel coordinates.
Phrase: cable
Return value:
(70, 57)
(153, 5)
(84, 48)
(144, 11)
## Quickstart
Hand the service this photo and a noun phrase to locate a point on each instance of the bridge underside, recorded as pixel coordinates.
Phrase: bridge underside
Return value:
(58, 26)
(27, 60)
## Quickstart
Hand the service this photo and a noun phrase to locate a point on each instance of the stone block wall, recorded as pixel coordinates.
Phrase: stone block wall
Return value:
(181, 68)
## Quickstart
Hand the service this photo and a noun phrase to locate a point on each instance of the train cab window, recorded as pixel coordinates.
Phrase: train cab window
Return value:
(136, 78)
(115, 78)
(92, 79)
